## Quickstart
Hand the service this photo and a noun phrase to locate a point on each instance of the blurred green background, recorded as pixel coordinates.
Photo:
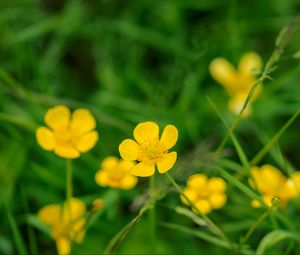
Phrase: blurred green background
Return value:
(131, 61)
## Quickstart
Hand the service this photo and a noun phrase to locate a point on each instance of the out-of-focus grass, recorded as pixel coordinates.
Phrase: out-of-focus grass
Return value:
(130, 61)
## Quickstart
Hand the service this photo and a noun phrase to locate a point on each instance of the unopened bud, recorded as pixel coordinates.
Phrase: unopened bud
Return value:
(98, 204)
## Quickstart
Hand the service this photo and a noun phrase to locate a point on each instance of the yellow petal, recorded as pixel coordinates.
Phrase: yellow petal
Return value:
(125, 165)
(63, 246)
(255, 204)
(109, 162)
(203, 206)
(250, 62)
(217, 200)
(167, 162)
(224, 73)
(66, 152)
(128, 182)
(78, 230)
(78, 210)
(58, 117)
(129, 149)
(102, 178)
(87, 141)
(169, 137)
(145, 132)
(50, 214)
(82, 121)
(217, 184)
(197, 180)
(143, 170)
(191, 194)
(236, 103)
(45, 138)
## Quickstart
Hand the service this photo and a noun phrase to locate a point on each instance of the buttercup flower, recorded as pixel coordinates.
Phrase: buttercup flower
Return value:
(206, 194)
(67, 134)
(63, 230)
(116, 173)
(270, 182)
(237, 82)
(149, 150)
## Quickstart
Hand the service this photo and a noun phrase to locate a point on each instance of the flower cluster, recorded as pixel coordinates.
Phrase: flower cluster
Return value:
(270, 182)
(206, 194)
(237, 82)
(67, 134)
(116, 174)
(66, 223)
(149, 150)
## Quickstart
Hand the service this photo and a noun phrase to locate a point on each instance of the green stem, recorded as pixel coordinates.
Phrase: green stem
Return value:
(254, 226)
(69, 193)
(214, 228)
(152, 217)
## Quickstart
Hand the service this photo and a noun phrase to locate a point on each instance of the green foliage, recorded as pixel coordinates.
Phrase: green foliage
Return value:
(132, 61)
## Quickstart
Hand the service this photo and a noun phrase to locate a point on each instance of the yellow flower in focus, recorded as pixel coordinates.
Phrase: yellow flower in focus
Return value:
(67, 134)
(270, 182)
(237, 82)
(206, 194)
(116, 173)
(149, 150)
(63, 230)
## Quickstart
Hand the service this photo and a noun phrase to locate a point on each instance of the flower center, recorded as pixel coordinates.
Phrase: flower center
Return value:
(65, 138)
(151, 152)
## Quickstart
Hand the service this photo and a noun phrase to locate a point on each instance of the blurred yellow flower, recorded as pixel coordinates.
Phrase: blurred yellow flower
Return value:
(237, 82)
(116, 173)
(270, 182)
(149, 150)
(206, 194)
(67, 134)
(63, 230)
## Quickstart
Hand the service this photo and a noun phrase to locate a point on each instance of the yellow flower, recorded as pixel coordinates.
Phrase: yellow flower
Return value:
(237, 82)
(67, 134)
(149, 150)
(270, 182)
(116, 173)
(206, 194)
(64, 230)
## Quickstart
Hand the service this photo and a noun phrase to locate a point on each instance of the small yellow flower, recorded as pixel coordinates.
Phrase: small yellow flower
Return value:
(237, 82)
(116, 173)
(270, 182)
(67, 134)
(63, 230)
(149, 150)
(206, 194)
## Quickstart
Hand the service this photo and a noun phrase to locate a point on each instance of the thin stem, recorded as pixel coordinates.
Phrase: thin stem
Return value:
(214, 228)
(254, 226)
(152, 217)
(69, 193)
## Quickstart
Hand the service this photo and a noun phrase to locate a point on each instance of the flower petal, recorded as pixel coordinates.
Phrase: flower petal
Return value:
(249, 62)
(197, 180)
(169, 136)
(129, 149)
(236, 103)
(191, 194)
(143, 170)
(58, 117)
(82, 121)
(146, 131)
(217, 200)
(87, 141)
(78, 210)
(63, 246)
(203, 206)
(224, 73)
(102, 178)
(217, 184)
(66, 152)
(109, 162)
(45, 138)
(128, 182)
(167, 162)
(50, 214)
